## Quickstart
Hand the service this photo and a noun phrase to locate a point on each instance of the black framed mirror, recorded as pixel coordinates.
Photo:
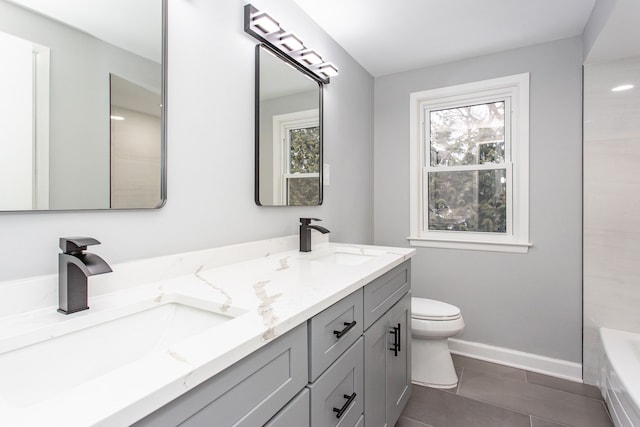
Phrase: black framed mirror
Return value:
(87, 84)
(288, 132)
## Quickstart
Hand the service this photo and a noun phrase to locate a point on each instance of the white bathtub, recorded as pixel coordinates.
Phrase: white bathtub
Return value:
(620, 376)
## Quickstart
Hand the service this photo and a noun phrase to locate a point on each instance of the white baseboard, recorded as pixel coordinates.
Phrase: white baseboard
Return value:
(518, 359)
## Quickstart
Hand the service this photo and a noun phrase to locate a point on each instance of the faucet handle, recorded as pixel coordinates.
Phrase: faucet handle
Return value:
(307, 221)
(71, 245)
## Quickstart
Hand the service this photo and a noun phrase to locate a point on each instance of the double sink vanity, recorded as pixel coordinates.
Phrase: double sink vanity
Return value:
(251, 334)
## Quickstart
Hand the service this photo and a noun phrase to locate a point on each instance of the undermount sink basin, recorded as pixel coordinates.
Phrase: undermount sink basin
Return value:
(65, 356)
(348, 256)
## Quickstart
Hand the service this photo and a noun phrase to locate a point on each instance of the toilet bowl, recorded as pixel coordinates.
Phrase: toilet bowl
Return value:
(432, 323)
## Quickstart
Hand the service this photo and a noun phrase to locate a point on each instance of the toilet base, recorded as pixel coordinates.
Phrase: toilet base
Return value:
(431, 363)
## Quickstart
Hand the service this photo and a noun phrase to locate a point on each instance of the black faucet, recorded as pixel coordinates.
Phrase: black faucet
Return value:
(74, 266)
(305, 233)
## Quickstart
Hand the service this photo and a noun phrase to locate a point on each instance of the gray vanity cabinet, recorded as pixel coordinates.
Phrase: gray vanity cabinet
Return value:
(348, 366)
(387, 349)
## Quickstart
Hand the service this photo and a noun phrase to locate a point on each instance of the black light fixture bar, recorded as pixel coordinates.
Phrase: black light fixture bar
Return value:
(267, 30)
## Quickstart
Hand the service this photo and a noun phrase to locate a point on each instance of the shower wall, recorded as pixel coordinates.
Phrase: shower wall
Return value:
(611, 204)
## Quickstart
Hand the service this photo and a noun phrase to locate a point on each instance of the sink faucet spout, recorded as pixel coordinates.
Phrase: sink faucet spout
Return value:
(305, 232)
(74, 267)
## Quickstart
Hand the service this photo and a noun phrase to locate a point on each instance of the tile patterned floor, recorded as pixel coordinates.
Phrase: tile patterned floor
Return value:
(491, 395)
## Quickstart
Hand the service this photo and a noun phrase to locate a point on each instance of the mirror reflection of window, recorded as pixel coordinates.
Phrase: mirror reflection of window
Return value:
(296, 158)
(304, 166)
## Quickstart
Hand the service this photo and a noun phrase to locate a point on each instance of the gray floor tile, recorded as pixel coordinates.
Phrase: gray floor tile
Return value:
(488, 367)
(564, 385)
(539, 422)
(537, 400)
(408, 422)
(444, 409)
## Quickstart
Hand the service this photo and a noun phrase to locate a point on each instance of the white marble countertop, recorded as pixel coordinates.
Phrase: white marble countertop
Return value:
(269, 295)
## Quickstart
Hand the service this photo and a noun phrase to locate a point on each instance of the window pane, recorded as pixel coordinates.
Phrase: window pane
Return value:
(468, 201)
(303, 191)
(304, 150)
(470, 135)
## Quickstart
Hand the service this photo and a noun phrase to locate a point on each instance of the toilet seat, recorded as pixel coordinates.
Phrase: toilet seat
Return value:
(428, 309)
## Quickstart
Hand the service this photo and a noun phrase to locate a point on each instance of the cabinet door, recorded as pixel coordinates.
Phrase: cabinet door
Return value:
(376, 347)
(399, 359)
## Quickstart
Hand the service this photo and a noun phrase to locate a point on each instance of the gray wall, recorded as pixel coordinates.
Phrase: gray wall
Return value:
(531, 302)
(210, 152)
(79, 99)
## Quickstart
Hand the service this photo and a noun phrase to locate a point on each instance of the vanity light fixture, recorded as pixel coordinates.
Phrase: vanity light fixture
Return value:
(265, 23)
(328, 69)
(311, 57)
(291, 42)
(268, 31)
(117, 118)
(622, 88)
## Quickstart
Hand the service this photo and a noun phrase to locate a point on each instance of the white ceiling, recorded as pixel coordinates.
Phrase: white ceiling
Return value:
(135, 26)
(389, 36)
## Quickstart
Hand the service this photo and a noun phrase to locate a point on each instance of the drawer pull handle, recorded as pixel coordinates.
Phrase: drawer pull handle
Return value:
(346, 329)
(340, 412)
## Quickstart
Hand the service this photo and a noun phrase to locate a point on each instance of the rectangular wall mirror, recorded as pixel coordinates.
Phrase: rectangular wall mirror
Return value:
(82, 117)
(288, 132)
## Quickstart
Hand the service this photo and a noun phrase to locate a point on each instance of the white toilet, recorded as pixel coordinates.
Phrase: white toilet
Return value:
(432, 323)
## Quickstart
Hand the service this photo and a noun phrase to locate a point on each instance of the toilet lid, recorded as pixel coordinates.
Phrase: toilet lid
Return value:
(428, 309)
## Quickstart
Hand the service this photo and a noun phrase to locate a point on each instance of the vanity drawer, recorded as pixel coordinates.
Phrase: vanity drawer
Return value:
(249, 393)
(296, 413)
(382, 293)
(332, 331)
(339, 391)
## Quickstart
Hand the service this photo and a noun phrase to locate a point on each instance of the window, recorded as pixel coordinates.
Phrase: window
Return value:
(297, 158)
(470, 166)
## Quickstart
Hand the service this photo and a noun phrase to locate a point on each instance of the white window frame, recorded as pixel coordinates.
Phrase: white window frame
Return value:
(514, 89)
(282, 124)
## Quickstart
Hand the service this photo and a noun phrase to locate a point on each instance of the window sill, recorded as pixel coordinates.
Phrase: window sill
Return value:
(471, 245)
